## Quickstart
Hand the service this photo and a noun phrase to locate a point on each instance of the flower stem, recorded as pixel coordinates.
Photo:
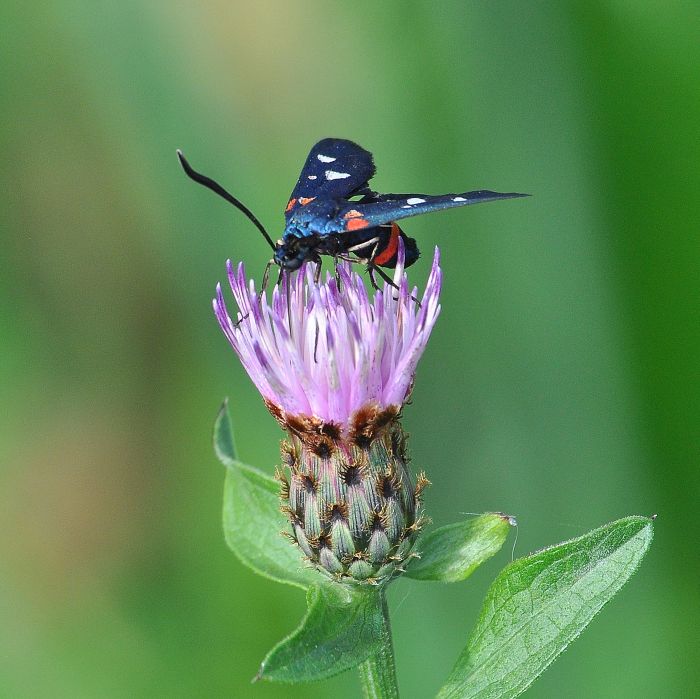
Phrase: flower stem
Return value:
(378, 672)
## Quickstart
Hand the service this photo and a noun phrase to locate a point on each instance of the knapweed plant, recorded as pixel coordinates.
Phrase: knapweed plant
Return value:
(343, 517)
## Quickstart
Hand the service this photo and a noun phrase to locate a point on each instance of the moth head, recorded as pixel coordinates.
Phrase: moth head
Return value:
(292, 253)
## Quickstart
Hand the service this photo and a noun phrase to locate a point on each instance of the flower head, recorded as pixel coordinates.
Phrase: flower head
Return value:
(328, 350)
(334, 366)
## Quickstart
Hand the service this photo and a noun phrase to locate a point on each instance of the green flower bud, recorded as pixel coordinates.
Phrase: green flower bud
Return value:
(353, 506)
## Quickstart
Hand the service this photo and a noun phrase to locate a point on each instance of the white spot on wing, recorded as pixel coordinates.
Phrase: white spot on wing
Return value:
(333, 175)
(326, 158)
(458, 199)
(405, 207)
(415, 200)
(312, 177)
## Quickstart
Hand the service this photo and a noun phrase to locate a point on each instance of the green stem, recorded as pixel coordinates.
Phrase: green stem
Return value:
(378, 672)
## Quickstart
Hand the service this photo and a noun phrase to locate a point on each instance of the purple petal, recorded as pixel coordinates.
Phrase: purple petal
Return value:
(326, 350)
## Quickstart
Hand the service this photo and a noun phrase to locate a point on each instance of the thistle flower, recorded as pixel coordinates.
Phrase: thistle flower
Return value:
(335, 366)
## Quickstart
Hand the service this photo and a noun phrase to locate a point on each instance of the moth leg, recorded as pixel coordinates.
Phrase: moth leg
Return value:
(371, 267)
(240, 320)
(367, 261)
(288, 294)
(317, 271)
(336, 259)
(351, 260)
(316, 342)
(370, 272)
(365, 244)
(374, 268)
(266, 278)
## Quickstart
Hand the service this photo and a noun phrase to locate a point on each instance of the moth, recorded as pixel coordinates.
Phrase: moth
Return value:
(333, 211)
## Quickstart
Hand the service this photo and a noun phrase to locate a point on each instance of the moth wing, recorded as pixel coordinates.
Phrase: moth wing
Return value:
(385, 208)
(334, 169)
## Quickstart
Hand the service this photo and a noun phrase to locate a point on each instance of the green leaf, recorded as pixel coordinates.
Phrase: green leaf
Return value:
(341, 629)
(253, 521)
(539, 604)
(224, 445)
(454, 552)
(253, 524)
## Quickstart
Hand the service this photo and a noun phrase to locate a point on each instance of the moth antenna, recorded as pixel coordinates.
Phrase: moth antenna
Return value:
(218, 189)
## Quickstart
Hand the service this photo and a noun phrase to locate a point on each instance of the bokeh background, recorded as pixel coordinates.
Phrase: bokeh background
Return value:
(561, 384)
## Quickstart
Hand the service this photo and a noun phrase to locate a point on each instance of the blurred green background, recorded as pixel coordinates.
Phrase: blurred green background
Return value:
(561, 385)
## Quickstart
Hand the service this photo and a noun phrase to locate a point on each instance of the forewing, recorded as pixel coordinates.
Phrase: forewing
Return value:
(391, 207)
(335, 169)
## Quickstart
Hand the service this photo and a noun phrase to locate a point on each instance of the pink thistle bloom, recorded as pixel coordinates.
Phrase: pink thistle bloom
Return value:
(335, 364)
(325, 351)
